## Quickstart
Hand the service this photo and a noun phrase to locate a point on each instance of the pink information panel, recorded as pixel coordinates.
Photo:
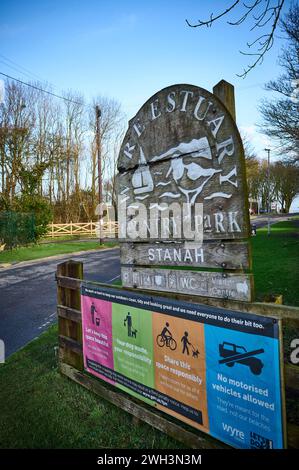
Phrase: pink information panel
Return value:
(97, 334)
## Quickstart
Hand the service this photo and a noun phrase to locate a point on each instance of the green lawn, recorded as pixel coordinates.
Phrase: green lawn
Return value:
(50, 249)
(42, 409)
(68, 237)
(276, 262)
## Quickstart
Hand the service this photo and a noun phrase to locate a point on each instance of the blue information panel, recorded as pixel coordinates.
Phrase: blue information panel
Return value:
(243, 385)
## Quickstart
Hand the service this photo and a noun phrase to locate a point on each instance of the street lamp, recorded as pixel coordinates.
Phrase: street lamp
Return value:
(268, 196)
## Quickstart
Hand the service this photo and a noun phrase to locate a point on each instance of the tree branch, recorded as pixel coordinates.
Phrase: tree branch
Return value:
(271, 10)
(211, 20)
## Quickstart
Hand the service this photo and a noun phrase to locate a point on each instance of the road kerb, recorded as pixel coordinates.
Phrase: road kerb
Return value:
(18, 264)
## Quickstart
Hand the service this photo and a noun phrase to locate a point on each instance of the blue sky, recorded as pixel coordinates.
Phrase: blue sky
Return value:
(130, 49)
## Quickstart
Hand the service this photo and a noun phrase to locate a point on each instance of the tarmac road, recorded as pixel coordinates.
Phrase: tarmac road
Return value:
(28, 293)
(262, 220)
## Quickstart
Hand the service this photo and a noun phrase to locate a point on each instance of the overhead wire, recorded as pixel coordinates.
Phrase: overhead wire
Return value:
(41, 89)
(20, 69)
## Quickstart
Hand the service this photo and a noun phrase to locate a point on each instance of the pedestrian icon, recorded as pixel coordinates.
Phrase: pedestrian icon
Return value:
(93, 310)
(132, 332)
(95, 320)
(186, 343)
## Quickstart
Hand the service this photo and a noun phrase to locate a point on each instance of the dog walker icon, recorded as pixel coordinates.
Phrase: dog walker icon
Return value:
(132, 332)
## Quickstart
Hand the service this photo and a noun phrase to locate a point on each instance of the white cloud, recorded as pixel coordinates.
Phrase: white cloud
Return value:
(258, 140)
(8, 31)
(125, 22)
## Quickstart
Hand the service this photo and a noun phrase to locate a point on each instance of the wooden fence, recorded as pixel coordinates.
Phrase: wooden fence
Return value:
(69, 276)
(108, 229)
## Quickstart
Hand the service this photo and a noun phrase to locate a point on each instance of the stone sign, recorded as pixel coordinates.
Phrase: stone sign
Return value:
(183, 146)
(182, 172)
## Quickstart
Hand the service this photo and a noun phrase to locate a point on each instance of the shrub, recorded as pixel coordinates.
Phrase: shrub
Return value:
(40, 208)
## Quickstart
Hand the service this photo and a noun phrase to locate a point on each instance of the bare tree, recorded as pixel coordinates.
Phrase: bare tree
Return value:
(281, 115)
(17, 123)
(249, 150)
(47, 146)
(110, 183)
(283, 184)
(286, 183)
(263, 15)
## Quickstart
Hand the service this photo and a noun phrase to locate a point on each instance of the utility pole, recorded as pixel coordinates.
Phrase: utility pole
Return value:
(98, 143)
(268, 180)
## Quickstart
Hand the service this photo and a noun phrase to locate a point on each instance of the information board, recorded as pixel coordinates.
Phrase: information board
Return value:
(215, 369)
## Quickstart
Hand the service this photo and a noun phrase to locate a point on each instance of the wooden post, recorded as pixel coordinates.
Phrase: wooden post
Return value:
(69, 314)
(226, 93)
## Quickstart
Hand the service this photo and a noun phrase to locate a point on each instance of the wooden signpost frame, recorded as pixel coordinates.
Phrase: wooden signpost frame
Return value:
(69, 277)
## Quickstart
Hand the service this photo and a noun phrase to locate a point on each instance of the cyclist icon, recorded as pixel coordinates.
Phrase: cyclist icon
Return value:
(166, 339)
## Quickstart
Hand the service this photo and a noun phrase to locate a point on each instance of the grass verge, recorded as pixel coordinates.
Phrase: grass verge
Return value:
(276, 262)
(33, 252)
(42, 409)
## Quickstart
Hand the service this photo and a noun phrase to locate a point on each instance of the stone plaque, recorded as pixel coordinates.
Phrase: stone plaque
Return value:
(209, 284)
(225, 255)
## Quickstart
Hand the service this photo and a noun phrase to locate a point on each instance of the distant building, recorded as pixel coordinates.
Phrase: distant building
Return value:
(255, 207)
